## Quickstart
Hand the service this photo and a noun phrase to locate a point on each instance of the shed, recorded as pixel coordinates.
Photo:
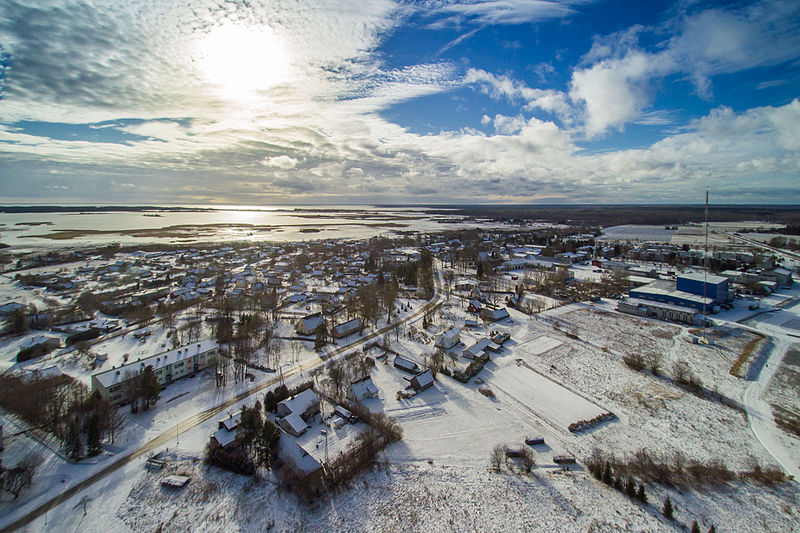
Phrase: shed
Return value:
(422, 381)
(404, 364)
(348, 328)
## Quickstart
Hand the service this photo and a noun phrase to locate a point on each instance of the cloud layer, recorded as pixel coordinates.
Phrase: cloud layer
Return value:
(318, 131)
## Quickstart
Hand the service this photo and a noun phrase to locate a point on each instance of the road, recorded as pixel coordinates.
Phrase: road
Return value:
(199, 418)
(759, 411)
(758, 244)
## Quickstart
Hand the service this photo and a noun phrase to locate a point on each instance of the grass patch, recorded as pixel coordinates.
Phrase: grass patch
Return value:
(747, 353)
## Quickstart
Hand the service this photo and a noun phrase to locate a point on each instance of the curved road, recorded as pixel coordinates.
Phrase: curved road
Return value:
(759, 411)
(199, 418)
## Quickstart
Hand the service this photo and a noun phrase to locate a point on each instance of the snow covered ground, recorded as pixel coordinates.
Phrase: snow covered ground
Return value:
(562, 366)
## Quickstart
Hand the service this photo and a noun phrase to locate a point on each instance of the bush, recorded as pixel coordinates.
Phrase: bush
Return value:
(528, 459)
(486, 391)
(634, 361)
(498, 457)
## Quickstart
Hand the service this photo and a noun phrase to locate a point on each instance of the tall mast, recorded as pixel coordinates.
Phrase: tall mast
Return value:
(705, 272)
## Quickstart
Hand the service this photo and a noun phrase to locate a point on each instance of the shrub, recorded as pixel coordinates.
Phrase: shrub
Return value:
(634, 361)
(528, 460)
(498, 457)
(486, 391)
(640, 494)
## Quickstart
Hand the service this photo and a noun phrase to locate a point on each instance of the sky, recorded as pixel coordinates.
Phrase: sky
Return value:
(281, 102)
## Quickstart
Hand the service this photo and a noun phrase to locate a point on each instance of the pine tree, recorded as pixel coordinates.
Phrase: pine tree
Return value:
(640, 495)
(630, 488)
(150, 387)
(695, 527)
(74, 443)
(480, 269)
(668, 510)
(93, 436)
(608, 479)
(712, 529)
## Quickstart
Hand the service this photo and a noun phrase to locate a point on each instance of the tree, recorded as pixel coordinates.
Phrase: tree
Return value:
(93, 435)
(480, 269)
(668, 509)
(640, 494)
(20, 476)
(267, 438)
(74, 443)
(712, 529)
(150, 387)
(630, 488)
(319, 340)
(498, 457)
(695, 527)
(16, 322)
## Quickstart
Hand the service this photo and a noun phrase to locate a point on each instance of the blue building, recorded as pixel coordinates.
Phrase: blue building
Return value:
(687, 291)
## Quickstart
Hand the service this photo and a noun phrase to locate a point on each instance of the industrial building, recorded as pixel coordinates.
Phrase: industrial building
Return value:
(697, 290)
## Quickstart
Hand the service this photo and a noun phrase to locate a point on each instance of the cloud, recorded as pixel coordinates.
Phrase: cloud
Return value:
(501, 12)
(281, 161)
(497, 87)
(615, 84)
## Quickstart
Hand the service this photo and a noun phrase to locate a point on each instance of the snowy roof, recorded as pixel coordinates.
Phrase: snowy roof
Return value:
(296, 457)
(117, 375)
(700, 276)
(405, 364)
(476, 349)
(301, 402)
(348, 327)
(10, 307)
(224, 437)
(296, 423)
(312, 322)
(424, 379)
(232, 421)
(38, 340)
(450, 333)
(659, 305)
(363, 389)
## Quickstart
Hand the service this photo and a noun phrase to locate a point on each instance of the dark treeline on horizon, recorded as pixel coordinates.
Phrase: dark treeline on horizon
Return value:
(614, 215)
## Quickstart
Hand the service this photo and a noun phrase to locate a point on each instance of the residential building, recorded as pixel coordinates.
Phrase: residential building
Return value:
(167, 366)
(446, 339)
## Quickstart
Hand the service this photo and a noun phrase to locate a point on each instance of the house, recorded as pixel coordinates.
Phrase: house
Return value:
(225, 436)
(494, 315)
(361, 390)
(474, 306)
(447, 339)
(477, 349)
(405, 365)
(293, 424)
(421, 381)
(304, 404)
(306, 470)
(10, 308)
(348, 328)
(168, 366)
(37, 346)
(309, 324)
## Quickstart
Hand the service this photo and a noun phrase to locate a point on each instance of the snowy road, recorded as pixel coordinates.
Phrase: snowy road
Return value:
(759, 411)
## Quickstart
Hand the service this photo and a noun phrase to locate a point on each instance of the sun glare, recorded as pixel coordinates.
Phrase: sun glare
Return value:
(240, 61)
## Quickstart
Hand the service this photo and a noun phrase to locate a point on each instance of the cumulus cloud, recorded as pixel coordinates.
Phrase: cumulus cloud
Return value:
(281, 161)
(547, 100)
(614, 85)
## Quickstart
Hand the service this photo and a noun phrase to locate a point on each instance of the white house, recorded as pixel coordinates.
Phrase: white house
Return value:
(447, 338)
(362, 390)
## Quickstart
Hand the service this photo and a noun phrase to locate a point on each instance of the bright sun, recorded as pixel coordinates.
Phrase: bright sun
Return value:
(240, 61)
